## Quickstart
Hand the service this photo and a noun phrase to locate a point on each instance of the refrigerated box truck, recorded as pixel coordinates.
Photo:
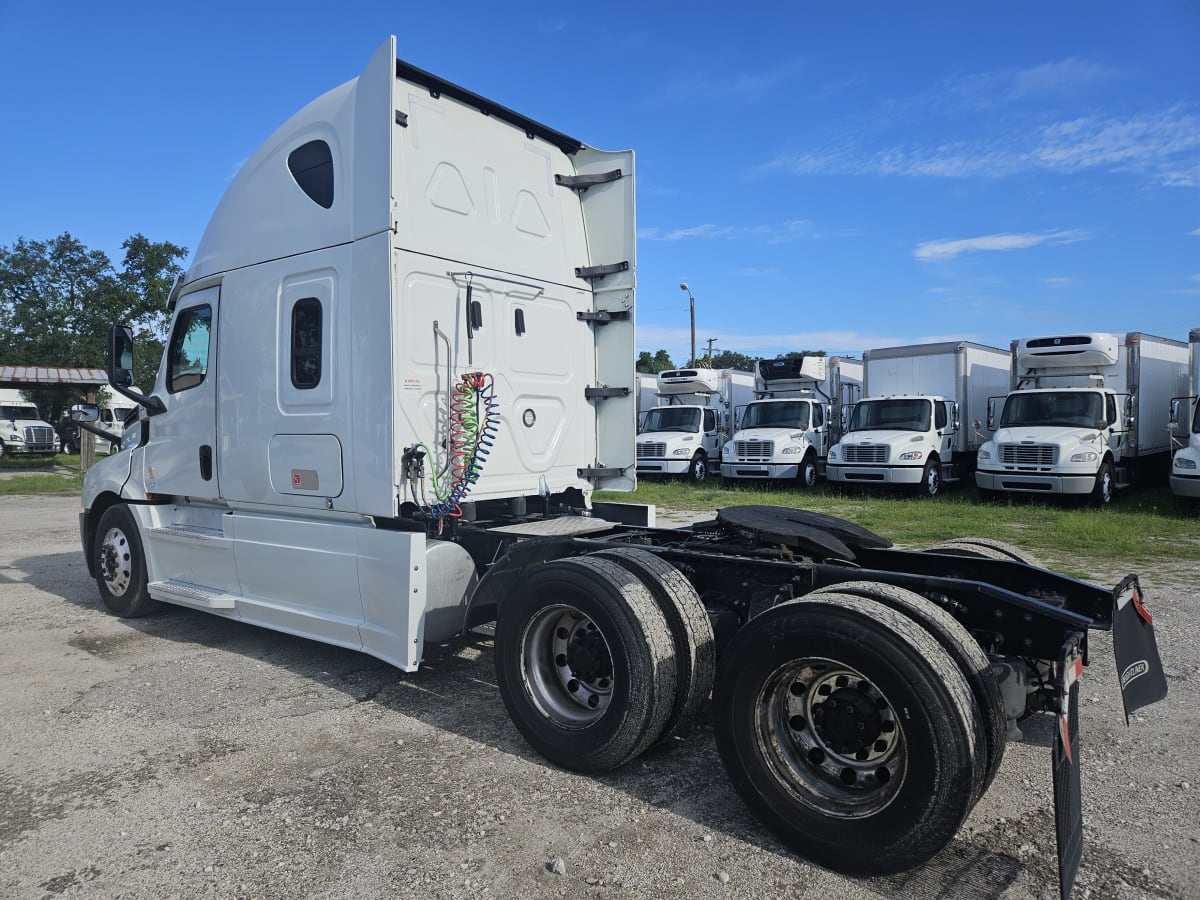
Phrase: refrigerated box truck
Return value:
(913, 427)
(1185, 431)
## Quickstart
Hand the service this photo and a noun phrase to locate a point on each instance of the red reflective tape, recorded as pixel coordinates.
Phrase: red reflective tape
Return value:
(1065, 728)
(1078, 669)
(1141, 610)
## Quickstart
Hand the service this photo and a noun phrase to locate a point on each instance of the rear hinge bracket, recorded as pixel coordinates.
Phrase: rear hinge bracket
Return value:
(402, 119)
(600, 472)
(582, 182)
(603, 316)
(601, 271)
(604, 393)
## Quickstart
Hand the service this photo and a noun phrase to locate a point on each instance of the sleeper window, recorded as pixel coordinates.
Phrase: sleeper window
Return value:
(306, 343)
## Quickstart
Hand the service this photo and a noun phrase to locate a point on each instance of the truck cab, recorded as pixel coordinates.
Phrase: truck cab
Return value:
(22, 430)
(898, 439)
(687, 429)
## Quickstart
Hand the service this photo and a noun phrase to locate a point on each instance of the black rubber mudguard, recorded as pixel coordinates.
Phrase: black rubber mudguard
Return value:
(1068, 802)
(1136, 648)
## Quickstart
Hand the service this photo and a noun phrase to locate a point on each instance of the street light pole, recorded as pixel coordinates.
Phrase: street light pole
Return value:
(683, 286)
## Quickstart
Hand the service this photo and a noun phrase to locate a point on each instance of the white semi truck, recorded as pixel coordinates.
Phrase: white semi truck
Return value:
(1185, 431)
(23, 432)
(397, 369)
(796, 416)
(910, 428)
(683, 435)
(1084, 413)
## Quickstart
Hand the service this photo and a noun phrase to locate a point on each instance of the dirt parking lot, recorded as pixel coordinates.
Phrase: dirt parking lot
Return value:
(189, 756)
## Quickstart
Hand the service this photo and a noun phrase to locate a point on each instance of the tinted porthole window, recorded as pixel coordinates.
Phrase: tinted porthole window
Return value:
(312, 166)
(306, 343)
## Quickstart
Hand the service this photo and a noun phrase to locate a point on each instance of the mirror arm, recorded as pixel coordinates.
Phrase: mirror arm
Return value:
(92, 429)
(153, 405)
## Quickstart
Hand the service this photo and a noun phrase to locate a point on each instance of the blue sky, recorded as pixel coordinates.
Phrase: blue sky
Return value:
(824, 175)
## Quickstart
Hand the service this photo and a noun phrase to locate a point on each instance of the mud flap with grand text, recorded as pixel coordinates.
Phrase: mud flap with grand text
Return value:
(1136, 649)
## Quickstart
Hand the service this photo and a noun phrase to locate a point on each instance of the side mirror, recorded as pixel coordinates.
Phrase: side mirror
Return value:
(1101, 424)
(84, 412)
(991, 413)
(120, 356)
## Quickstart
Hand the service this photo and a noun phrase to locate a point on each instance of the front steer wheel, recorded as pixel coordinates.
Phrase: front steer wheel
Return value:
(848, 731)
(121, 565)
(585, 663)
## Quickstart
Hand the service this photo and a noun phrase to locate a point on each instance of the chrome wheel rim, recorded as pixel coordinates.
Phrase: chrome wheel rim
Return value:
(115, 562)
(567, 666)
(831, 738)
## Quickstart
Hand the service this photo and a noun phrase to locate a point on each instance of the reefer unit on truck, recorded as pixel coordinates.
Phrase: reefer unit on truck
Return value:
(397, 368)
(1085, 411)
(1185, 430)
(683, 435)
(796, 416)
(914, 425)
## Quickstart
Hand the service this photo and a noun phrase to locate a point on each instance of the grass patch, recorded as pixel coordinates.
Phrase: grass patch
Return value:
(1142, 524)
(41, 483)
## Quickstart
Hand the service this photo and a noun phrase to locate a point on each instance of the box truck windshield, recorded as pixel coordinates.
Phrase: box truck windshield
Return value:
(776, 415)
(667, 418)
(1064, 408)
(891, 415)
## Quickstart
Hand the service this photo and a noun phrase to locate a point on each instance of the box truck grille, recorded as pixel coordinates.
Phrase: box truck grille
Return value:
(651, 450)
(748, 450)
(874, 453)
(42, 435)
(1028, 454)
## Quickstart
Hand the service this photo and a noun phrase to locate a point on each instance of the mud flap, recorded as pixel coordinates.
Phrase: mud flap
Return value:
(1068, 803)
(1136, 649)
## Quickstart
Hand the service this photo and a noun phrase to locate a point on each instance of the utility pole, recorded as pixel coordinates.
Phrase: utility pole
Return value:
(710, 342)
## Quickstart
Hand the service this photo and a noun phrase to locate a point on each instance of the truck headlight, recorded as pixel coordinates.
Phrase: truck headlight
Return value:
(833, 453)
(911, 454)
(682, 451)
(792, 450)
(985, 454)
(1182, 462)
(16, 439)
(1086, 456)
(727, 450)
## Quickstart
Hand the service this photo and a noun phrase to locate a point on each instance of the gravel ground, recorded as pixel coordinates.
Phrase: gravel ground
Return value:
(187, 756)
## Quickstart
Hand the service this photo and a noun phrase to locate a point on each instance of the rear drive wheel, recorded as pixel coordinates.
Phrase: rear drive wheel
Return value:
(931, 478)
(972, 662)
(121, 565)
(691, 632)
(806, 477)
(848, 730)
(698, 470)
(585, 663)
(1102, 493)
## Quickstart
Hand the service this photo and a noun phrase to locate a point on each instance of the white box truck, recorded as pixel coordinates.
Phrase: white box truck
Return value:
(683, 435)
(911, 428)
(23, 432)
(397, 369)
(1084, 413)
(796, 416)
(1185, 432)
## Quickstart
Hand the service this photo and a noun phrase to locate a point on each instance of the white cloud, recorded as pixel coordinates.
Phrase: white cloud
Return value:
(844, 343)
(791, 230)
(1195, 233)
(720, 86)
(1059, 282)
(948, 249)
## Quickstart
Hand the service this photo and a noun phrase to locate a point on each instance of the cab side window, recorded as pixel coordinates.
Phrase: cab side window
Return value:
(940, 418)
(188, 351)
(306, 343)
(1110, 409)
(818, 415)
(710, 421)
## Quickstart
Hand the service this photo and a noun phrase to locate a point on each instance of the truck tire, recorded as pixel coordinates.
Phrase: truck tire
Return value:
(585, 663)
(986, 548)
(121, 565)
(1102, 493)
(972, 662)
(698, 470)
(806, 477)
(931, 478)
(68, 447)
(691, 632)
(792, 688)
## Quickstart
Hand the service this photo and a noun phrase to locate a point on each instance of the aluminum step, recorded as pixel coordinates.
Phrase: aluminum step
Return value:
(196, 596)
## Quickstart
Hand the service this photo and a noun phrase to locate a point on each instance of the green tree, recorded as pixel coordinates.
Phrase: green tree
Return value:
(731, 359)
(58, 299)
(796, 354)
(652, 365)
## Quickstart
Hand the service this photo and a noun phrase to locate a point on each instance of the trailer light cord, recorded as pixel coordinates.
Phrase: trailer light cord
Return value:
(474, 422)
